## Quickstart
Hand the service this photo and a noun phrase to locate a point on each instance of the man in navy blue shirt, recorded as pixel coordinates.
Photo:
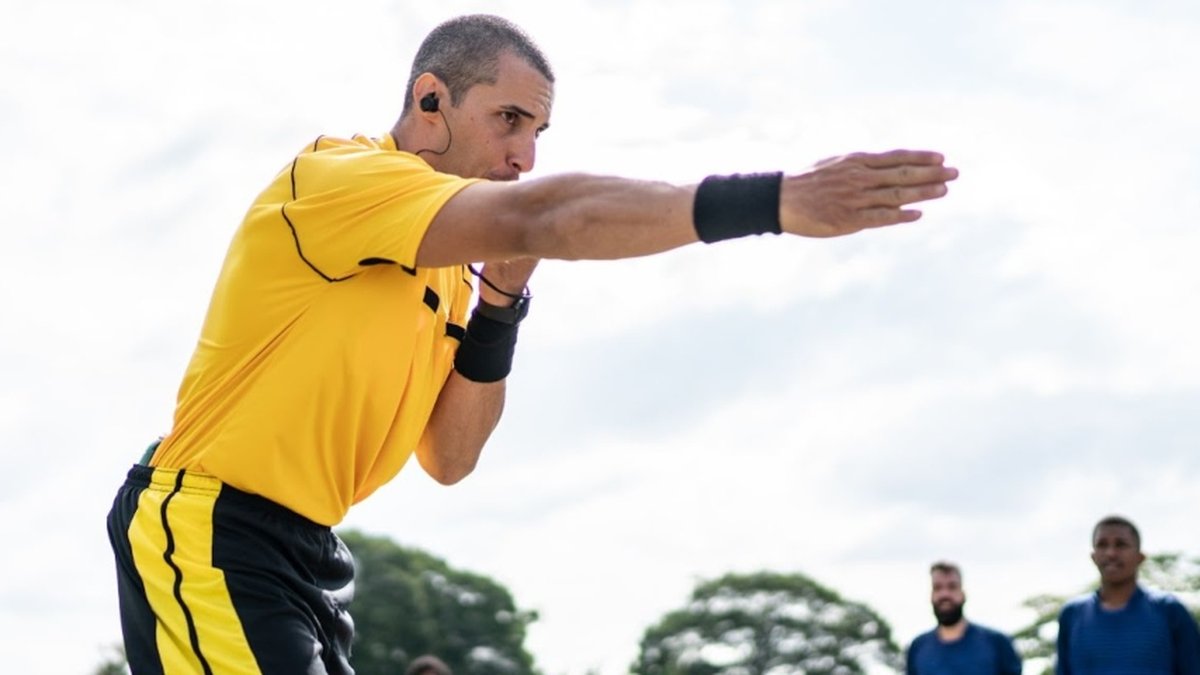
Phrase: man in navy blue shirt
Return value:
(1123, 629)
(957, 647)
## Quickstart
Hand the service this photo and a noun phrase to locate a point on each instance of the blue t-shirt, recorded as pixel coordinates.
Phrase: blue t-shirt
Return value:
(1153, 634)
(980, 651)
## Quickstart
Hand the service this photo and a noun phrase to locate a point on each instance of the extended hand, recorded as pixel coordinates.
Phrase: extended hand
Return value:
(842, 195)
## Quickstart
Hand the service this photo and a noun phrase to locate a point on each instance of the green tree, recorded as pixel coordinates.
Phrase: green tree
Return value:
(408, 603)
(115, 663)
(1171, 572)
(767, 623)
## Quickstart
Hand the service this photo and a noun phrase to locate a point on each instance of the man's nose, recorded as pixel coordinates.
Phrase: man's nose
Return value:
(522, 156)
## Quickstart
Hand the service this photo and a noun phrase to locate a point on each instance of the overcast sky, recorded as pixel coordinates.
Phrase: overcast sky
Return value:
(981, 385)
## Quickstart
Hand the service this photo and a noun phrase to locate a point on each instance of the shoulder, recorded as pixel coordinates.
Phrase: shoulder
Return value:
(1165, 602)
(1077, 603)
(922, 640)
(360, 147)
(989, 632)
(997, 640)
(1160, 598)
(361, 163)
(1074, 607)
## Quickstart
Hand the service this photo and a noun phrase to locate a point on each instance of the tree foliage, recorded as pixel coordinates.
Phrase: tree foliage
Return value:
(114, 663)
(1171, 572)
(763, 623)
(408, 603)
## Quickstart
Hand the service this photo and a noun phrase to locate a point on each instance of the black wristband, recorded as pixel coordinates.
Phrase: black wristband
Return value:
(727, 207)
(512, 315)
(486, 352)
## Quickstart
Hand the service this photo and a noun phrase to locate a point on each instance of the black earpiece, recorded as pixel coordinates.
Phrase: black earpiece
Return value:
(429, 103)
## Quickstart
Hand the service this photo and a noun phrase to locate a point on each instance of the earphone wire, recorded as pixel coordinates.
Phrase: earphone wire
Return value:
(449, 138)
(523, 295)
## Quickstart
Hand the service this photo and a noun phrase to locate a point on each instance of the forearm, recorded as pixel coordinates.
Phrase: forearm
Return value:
(569, 217)
(597, 218)
(463, 419)
(467, 411)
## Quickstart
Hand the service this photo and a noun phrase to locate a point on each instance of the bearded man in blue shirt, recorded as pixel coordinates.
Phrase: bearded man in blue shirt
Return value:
(957, 647)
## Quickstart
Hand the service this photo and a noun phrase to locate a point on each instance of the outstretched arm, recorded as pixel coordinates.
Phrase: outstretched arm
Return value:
(578, 216)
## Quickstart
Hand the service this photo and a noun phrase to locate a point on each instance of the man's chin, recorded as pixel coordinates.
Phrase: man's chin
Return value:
(1116, 578)
(948, 617)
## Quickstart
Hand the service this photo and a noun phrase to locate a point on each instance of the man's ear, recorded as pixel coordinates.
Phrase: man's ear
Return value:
(426, 85)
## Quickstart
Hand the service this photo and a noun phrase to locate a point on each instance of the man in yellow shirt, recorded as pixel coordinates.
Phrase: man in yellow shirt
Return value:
(338, 343)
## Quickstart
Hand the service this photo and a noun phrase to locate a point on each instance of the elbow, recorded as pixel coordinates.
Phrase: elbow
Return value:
(447, 471)
(450, 476)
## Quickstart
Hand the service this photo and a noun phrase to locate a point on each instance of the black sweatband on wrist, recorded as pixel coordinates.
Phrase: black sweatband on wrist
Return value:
(486, 352)
(727, 207)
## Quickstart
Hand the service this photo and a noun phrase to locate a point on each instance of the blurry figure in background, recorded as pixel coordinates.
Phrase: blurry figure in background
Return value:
(1123, 628)
(957, 647)
(428, 665)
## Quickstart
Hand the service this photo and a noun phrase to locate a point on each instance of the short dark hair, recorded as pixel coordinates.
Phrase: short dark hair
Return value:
(465, 51)
(427, 664)
(945, 567)
(1119, 521)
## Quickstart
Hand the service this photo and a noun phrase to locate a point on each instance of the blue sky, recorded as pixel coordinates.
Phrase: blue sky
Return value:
(981, 385)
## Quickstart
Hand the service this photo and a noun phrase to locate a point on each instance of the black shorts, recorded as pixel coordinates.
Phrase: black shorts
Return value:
(215, 580)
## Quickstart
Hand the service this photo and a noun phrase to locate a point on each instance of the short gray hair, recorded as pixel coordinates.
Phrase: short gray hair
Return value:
(465, 51)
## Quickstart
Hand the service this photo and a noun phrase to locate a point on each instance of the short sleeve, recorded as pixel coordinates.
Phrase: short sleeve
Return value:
(910, 659)
(1009, 661)
(1185, 638)
(354, 203)
(1063, 643)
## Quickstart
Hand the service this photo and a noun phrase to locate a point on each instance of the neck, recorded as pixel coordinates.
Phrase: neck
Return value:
(410, 137)
(952, 632)
(1116, 595)
(402, 133)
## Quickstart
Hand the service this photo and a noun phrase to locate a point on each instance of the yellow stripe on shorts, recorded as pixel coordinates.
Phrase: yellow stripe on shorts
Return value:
(198, 630)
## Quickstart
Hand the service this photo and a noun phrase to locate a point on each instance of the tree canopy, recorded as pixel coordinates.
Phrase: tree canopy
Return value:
(763, 623)
(408, 603)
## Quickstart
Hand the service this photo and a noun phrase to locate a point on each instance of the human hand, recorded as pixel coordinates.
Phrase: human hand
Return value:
(842, 195)
(510, 276)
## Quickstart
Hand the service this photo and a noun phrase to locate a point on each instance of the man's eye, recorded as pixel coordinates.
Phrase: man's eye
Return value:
(510, 118)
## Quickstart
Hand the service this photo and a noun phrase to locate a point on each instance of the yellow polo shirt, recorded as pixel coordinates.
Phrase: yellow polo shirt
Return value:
(324, 349)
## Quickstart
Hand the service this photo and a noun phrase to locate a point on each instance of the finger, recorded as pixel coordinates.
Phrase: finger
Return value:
(882, 160)
(914, 175)
(899, 196)
(881, 216)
